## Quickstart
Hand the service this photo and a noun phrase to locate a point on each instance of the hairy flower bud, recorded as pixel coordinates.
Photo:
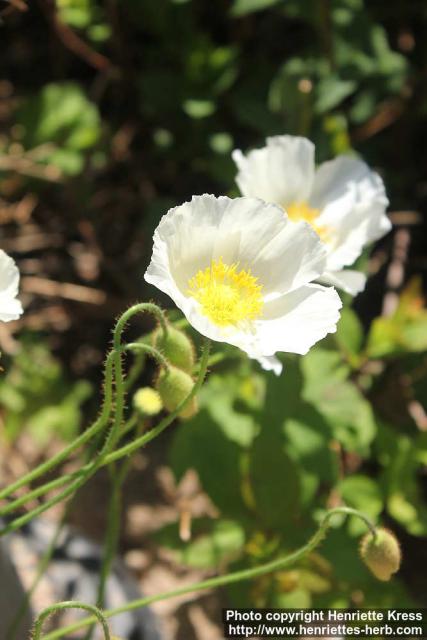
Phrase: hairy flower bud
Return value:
(381, 553)
(174, 385)
(147, 401)
(177, 348)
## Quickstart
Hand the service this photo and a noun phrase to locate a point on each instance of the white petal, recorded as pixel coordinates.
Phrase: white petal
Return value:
(353, 202)
(246, 231)
(9, 275)
(10, 308)
(352, 282)
(296, 321)
(258, 237)
(270, 363)
(281, 172)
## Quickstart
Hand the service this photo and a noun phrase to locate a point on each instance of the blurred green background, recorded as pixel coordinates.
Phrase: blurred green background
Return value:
(112, 112)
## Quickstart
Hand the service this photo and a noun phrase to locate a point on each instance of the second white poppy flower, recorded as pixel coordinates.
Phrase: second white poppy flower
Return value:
(343, 200)
(242, 273)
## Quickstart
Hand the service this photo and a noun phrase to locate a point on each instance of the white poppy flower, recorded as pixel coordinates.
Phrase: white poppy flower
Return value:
(343, 200)
(241, 273)
(10, 307)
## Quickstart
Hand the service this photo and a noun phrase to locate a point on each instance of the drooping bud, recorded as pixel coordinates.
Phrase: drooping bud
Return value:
(147, 401)
(176, 347)
(174, 385)
(381, 553)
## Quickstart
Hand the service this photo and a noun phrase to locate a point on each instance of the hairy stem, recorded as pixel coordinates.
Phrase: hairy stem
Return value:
(71, 604)
(82, 439)
(231, 578)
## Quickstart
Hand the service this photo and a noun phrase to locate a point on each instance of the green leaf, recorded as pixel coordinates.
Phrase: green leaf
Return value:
(349, 333)
(59, 125)
(39, 398)
(331, 91)
(275, 480)
(296, 599)
(219, 395)
(243, 7)
(213, 542)
(329, 389)
(404, 496)
(364, 494)
(308, 442)
(60, 114)
(405, 330)
(200, 444)
(198, 109)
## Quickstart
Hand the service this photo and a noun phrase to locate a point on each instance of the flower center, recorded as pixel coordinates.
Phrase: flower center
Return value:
(226, 295)
(302, 211)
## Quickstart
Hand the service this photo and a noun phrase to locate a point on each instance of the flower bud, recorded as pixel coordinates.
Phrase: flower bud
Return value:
(176, 347)
(174, 385)
(147, 401)
(381, 553)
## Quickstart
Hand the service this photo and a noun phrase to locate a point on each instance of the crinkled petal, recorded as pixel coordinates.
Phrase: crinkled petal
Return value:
(346, 173)
(296, 321)
(245, 231)
(259, 238)
(10, 308)
(353, 203)
(9, 275)
(281, 172)
(350, 281)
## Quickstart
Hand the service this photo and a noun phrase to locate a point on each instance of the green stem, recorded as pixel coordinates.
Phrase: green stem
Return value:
(41, 568)
(82, 439)
(112, 534)
(155, 431)
(114, 355)
(71, 604)
(130, 424)
(57, 482)
(111, 538)
(105, 458)
(149, 350)
(113, 525)
(36, 493)
(219, 581)
(143, 307)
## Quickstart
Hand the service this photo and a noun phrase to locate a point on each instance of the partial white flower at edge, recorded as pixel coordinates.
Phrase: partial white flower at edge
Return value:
(242, 273)
(10, 307)
(343, 200)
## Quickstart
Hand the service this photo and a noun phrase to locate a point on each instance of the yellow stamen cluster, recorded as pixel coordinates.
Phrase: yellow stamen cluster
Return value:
(226, 295)
(302, 211)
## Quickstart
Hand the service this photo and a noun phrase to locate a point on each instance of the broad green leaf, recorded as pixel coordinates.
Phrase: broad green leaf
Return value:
(59, 125)
(60, 114)
(308, 442)
(331, 91)
(275, 480)
(200, 444)
(37, 396)
(220, 395)
(349, 333)
(335, 396)
(364, 494)
(404, 495)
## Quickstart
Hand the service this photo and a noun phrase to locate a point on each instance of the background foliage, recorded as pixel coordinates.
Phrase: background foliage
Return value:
(112, 112)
